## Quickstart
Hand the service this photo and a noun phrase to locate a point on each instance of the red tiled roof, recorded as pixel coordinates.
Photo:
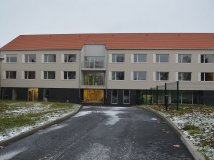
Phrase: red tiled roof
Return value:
(113, 41)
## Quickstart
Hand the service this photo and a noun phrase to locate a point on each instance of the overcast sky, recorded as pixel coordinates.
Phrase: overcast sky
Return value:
(103, 16)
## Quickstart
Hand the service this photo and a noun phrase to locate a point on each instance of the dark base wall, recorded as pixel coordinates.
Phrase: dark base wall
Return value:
(60, 94)
(52, 94)
(136, 96)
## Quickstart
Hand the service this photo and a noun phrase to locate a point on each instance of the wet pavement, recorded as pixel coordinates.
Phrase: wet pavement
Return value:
(102, 133)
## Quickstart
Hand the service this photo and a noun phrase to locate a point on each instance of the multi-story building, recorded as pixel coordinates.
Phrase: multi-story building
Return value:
(105, 68)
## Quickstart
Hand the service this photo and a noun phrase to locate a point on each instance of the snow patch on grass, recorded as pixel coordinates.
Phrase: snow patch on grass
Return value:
(39, 113)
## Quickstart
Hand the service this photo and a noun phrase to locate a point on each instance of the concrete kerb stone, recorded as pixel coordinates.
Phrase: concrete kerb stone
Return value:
(32, 131)
(192, 149)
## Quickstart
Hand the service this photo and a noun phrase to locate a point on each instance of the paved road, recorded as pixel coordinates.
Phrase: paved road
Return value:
(107, 133)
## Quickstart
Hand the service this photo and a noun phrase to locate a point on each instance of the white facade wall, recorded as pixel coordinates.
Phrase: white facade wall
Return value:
(128, 67)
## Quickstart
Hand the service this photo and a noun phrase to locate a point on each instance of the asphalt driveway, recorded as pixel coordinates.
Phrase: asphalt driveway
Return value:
(102, 133)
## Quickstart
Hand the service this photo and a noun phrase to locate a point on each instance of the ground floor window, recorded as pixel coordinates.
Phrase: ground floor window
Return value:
(114, 96)
(126, 97)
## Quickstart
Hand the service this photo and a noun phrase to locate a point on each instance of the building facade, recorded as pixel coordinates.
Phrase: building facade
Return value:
(112, 69)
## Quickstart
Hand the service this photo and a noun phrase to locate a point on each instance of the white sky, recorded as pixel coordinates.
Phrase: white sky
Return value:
(103, 16)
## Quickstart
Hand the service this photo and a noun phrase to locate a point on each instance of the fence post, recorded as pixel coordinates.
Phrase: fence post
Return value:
(157, 94)
(177, 94)
(146, 96)
(165, 97)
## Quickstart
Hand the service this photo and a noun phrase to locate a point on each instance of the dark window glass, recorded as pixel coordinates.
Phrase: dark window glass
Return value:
(10, 74)
(30, 74)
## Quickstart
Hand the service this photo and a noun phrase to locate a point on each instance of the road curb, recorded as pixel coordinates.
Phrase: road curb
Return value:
(32, 131)
(191, 148)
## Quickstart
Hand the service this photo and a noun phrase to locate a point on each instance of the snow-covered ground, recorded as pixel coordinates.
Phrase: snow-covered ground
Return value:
(203, 121)
(49, 113)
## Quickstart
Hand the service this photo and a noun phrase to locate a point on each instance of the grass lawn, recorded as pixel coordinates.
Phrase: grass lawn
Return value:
(18, 116)
(196, 122)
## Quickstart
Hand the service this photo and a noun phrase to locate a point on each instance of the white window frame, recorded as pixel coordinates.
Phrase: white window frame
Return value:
(9, 74)
(114, 58)
(63, 60)
(48, 75)
(112, 96)
(160, 76)
(160, 58)
(115, 75)
(24, 60)
(182, 76)
(138, 76)
(204, 59)
(28, 75)
(137, 54)
(182, 55)
(10, 56)
(124, 96)
(67, 75)
(49, 58)
(205, 77)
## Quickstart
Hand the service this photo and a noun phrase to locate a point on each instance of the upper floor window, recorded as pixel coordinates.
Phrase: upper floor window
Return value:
(117, 75)
(207, 58)
(162, 76)
(140, 58)
(118, 58)
(49, 58)
(49, 74)
(10, 74)
(207, 76)
(29, 74)
(11, 58)
(69, 75)
(139, 75)
(69, 58)
(184, 58)
(162, 58)
(30, 58)
(184, 76)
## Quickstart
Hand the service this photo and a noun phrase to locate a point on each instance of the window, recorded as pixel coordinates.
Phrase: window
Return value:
(11, 58)
(118, 58)
(184, 58)
(69, 58)
(69, 75)
(184, 76)
(117, 75)
(114, 96)
(126, 97)
(139, 75)
(30, 74)
(162, 76)
(139, 58)
(49, 74)
(162, 58)
(30, 58)
(207, 58)
(10, 74)
(50, 58)
(207, 76)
